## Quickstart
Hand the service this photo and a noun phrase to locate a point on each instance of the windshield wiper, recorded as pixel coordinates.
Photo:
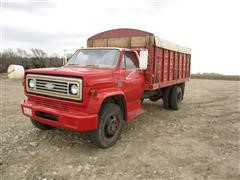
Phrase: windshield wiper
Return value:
(91, 65)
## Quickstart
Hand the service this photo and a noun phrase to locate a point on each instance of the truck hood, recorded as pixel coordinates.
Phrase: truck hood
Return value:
(91, 76)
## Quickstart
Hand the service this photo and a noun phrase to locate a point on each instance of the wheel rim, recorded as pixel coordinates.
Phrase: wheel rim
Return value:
(179, 97)
(111, 126)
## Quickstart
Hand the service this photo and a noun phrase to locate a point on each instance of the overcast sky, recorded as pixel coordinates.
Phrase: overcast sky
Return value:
(211, 28)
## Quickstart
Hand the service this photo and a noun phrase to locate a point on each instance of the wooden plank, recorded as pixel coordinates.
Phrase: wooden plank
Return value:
(184, 66)
(165, 69)
(138, 41)
(171, 65)
(180, 66)
(123, 42)
(99, 43)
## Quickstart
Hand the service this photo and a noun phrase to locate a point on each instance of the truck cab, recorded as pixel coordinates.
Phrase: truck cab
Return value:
(95, 91)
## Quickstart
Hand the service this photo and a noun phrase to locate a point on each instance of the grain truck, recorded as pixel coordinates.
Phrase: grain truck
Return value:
(103, 86)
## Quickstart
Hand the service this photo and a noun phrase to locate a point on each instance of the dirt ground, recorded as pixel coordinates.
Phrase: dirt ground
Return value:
(200, 141)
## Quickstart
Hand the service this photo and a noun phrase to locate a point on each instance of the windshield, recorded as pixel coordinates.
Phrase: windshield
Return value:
(95, 58)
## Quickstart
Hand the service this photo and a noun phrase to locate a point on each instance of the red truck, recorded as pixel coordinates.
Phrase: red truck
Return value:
(103, 86)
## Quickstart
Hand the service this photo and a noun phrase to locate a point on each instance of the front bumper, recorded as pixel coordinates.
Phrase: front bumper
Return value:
(73, 120)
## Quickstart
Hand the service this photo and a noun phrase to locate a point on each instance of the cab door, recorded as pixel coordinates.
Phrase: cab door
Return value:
(132, 77)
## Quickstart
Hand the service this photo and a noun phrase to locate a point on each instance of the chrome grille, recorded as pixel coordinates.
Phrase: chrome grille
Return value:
(55, 86)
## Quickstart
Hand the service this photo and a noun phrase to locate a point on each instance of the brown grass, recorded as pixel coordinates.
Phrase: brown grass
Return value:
(215, 76)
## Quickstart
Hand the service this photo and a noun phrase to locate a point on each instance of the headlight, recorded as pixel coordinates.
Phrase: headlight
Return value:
(74, 89)
(31, 83)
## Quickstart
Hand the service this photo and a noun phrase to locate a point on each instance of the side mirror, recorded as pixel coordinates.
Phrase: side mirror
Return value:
(143, 59)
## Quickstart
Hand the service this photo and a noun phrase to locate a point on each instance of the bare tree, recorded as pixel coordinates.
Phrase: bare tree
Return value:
(8, 53)
(38, 53)
(22, 53)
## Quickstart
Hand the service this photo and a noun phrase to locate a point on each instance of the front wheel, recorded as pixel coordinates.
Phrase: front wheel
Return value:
(109, 127)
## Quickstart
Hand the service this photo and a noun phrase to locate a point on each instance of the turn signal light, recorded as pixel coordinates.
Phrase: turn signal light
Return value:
(92, 92)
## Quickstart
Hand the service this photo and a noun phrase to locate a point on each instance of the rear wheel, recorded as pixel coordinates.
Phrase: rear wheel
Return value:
(176, 98)
(166, 97)
(109, 127)
(41, 125)
(182, 86)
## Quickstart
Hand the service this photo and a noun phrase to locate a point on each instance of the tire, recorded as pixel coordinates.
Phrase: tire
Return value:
(182, 86)
(176, 98)
(109, 127)
(166, 97)
(41, 126)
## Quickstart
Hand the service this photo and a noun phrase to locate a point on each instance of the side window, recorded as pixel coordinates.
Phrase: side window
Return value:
(130, 60)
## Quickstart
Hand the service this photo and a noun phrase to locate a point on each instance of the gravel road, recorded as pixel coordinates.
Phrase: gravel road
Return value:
(200, 141)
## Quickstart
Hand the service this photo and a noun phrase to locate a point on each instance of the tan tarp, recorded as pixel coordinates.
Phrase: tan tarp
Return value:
(136, 42)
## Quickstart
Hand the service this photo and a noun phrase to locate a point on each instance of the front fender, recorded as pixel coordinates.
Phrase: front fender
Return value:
(96, 102)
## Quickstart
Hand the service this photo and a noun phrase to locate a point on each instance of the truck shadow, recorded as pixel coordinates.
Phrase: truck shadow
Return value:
(62, 139)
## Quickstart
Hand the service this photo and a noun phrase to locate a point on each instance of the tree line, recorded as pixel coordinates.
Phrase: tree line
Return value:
(34, 58)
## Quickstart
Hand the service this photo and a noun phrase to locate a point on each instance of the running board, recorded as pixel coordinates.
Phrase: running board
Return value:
(133, 114)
